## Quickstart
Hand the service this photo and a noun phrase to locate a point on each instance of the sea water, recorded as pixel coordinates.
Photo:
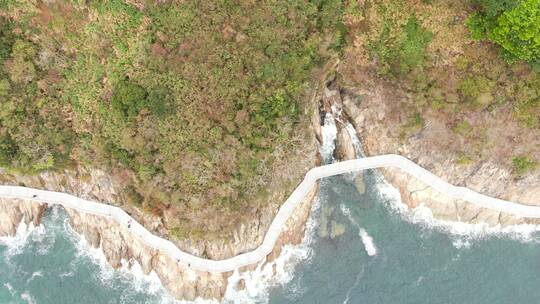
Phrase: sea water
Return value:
(52, 264)
(388, 254)
(361, 248)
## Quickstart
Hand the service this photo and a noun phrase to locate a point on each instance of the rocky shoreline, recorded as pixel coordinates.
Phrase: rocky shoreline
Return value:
(367, 113)
(119, 246)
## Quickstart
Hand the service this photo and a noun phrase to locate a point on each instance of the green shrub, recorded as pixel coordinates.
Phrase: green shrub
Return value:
(19, 66)
(133, 196)
(493, 8)
(528, 112)
(400, 55)
(4, 87)
(8, 151)
(518, 31)
(121, 155)
(523, 164)
(478, 26)
(513, 25)
(414, 124)
(382, 50)
(158, 102)
(128, 99)
(473, 87)
(463, 128)
(412, 51)
(464, 159)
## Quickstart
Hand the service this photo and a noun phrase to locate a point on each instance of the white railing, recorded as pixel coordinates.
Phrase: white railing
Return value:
(286, 210)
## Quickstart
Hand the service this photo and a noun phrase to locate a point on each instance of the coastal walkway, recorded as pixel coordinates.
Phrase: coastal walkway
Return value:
(286, 210)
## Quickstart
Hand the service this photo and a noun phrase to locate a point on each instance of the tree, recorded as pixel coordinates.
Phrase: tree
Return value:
(8, 150)
(128, 99)
(518, 31)
(4, 87)
(514, 25)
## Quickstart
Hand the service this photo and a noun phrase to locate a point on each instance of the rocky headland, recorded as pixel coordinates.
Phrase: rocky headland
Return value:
(120, 247)
(359, 108)
(369, 110)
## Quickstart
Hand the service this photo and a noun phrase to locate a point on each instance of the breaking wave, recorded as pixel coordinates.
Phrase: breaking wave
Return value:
(367, 240)
(463, 233)
(15, 244)
(257, 283)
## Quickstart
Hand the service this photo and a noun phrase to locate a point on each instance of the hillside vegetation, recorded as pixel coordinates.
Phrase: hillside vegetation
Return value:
(192, 103)
(470, 65)
(194, 106)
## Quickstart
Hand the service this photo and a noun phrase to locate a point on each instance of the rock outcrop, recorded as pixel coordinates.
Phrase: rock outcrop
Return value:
(414, 193)
(120, 246)
(15, 211)
(369, 112)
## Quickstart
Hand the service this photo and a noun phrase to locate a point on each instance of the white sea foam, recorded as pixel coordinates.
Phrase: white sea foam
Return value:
(461, 243)
(35, 274)
(67, 274)
(149, 283)
(329, 134)
(276, 273)
(27, 297)
(10, 289)
(15, 244)
(463, 234)
(367, 240)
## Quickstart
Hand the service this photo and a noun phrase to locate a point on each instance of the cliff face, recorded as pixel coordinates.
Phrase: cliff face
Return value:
(14, 211)
(370, 114)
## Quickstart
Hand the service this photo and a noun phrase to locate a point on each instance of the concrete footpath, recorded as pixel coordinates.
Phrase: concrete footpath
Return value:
(286, 210)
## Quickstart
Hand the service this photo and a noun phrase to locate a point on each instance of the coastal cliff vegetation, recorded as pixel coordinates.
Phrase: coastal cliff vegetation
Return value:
(196, 106)
(465, 72)
(186, 103)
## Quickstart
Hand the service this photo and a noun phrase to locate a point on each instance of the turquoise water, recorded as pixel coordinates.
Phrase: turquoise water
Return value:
(52, 265)
(412, 262)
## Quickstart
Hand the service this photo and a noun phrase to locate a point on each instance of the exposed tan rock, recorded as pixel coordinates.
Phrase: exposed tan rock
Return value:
(359, 183)
(119, 245)
(13, 212)
(368, 114)
(344, 146)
